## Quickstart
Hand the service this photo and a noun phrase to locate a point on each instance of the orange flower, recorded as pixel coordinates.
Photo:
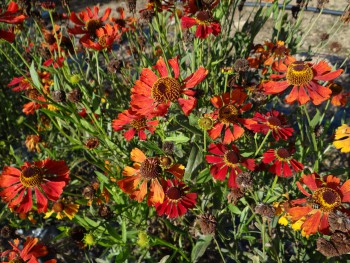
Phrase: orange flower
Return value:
(228, 115)
(342, 138)
(11, 16)
(30, 252)
(152, 95)
(328, 195)
(339, 97)
(62, 208)
(206, 25)
(304, 77)
(147, 170)
(45, 178)
(106, 36)
(88, 22)
(123, 23)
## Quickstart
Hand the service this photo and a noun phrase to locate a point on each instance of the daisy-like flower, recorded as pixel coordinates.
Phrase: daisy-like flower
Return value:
(122, 22)
(227, 160)
(146, 170)
(30, 252)
(304, 77)
(342, 138)
(88, 22)
(152, 95)
(46, 178)
(105, 35)
(32, 142)
(277, 52)
(272, 121)
(177, 199)
(327, 195)
(62, 209)
(193, 6)
(205, 23)
(228, 115)
(135, 124)
(282, 160)
(339, 97)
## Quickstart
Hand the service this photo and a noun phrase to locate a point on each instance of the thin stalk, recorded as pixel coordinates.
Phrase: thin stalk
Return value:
(262, 143)
(218, 247)
(310, 28)
(313, 138)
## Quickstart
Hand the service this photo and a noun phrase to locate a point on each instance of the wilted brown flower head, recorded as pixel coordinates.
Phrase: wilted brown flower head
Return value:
(75, 95)
(234, 195)
(319, 129)
(322, 3)
(132, 6)
(265, 210)
(114, 66)
(241, 65)
(168, 148)
(147, 15)
(324, 36)
(339, 221)
(207, 224)
(104, 211)
(244, 180)
(89, 192)
(335, 46)
(7, 232)
(339, 244)
(58, 95)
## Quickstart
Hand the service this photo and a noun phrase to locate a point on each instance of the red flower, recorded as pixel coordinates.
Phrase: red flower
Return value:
(47, 178)
(106, 36)
(282, 159)
(135, 124)
(272, 121)
(23, 84)
(152, 95)
(146, 170)
(12, 15)
(88, 22)
(228, 114)
(304, 77)
(177, 200)
(226, 160)
(328, 195)
(57, 62)
(30, 252)
(192, 6)
(123, 23)
(339, 97)
(206, 25)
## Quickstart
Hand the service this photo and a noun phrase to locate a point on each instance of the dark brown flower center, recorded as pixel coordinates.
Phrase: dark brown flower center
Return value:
(174, 193)
(139, 124)
(299, 73)
(120, 22)
(231, 158)
(58, 207)
(327, 198)
(92, 25)
(203, 16)
(32, 94)
(282, 154)
(150, 168)
(31, 176)
(228, 114)
(50, 39)
(335, 88)
(165, 89)
(274, 121)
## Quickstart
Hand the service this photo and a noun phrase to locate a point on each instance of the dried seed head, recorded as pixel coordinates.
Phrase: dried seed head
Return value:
(335, 47)
(339, 221)
(132, 6)
(244, 180)
(89, 192)
(241, 5)
(319, 129)
(321, 3)
(168, 148)
(77, 233)
(104, 211)
(324, 36)
(265, 210)
(207, 224)
(7, 232)
(48, 5)
(339, 244)
(147, 15)
(345, 18)
(241, 65)
(58, 95)
(234, 195)
(75, 96)
(114, 66)
(188, 36)
(258, 97)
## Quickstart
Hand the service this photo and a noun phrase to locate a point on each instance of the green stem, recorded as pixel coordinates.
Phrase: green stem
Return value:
(263, 142)
(271, 189)
(313, 138)
(218, 247)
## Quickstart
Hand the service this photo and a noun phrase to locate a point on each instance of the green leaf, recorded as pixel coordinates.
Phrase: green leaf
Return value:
(101, 177)
(203, 176)
(177, 139)
(194, 160)
(234, 209)
(152, 146)
(34, 75)
(200, 248)
(315, 119)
